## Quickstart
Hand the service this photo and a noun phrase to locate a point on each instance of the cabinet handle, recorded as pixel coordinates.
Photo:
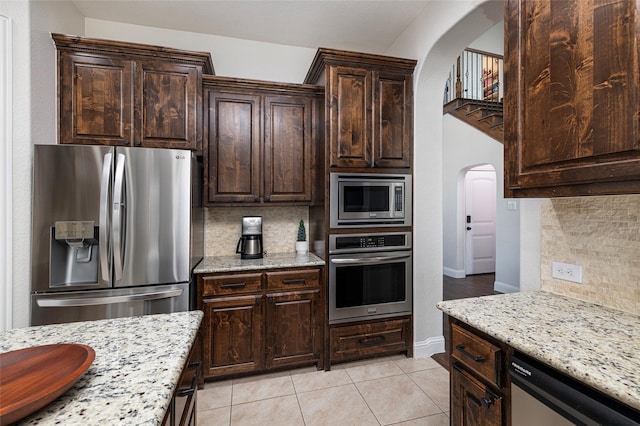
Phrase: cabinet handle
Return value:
(468, 354)
(489, 398)
(233, 285)
(267, 197)
(125, 142)
(371, 342)
(194, 382)
(138, 143)
(294, 281)
(256, 198)
(270, 299)
(258, 299)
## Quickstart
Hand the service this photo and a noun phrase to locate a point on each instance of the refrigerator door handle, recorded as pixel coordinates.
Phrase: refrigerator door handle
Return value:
(58, 302)
(103, 246)
(118, 206)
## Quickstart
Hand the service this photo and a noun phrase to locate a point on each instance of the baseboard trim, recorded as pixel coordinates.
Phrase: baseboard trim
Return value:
(426, 348)
(454, 273)
(504, 287)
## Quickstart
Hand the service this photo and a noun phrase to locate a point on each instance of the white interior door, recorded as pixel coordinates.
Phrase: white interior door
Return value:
(480, 224)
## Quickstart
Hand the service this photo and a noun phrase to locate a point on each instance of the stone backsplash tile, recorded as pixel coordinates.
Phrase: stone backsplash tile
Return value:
(223, 227)
(601, 234)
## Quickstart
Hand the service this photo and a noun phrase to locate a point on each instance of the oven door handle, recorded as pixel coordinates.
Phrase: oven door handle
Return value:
(362, 260)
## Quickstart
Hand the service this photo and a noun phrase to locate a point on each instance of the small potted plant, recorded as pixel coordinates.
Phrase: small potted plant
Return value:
(302, 245)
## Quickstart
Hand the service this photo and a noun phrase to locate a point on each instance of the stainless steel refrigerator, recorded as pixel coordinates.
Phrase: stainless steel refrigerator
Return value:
(115, 232)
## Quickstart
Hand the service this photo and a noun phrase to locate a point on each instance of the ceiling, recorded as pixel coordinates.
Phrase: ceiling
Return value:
(361, 25)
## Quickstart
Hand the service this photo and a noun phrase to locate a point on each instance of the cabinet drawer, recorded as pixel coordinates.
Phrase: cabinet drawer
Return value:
(231, 284)
(293, 279)
(476, 353)
(356, 341)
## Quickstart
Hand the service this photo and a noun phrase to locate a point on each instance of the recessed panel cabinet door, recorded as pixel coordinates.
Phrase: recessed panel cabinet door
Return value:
(233, 172)
(350, 117)
(571, 97)
(472, 403)
(168, 107)
(287, 149)
(293, 331)
(393, 119)
(232, 335)
(96, 95)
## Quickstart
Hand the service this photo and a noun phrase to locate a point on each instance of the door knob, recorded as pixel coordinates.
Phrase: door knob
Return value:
(468, 228)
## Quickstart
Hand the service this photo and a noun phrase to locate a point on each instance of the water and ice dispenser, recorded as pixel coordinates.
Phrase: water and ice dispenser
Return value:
(74, 253)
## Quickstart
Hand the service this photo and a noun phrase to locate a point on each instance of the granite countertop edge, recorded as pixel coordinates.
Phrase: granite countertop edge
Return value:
(591, 343)
(132, 379)
(214, 264)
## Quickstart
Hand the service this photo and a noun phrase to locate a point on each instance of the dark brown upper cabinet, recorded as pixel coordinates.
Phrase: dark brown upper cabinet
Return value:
(571, 103)
(369, 108)
(117, 93)
(261, 139)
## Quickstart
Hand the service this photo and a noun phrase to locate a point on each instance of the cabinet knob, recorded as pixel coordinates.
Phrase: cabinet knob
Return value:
(267, 198)
(125, 142)
(486, 402)
(138, 143)
(256, 198)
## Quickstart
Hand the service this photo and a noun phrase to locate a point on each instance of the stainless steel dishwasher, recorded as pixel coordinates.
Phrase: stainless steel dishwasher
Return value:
(541, 396)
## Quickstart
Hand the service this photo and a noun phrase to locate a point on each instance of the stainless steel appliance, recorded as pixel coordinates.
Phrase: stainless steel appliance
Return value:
(250, 243)
(370, 276)
(115, 232)
(364, 200)
(541, 395)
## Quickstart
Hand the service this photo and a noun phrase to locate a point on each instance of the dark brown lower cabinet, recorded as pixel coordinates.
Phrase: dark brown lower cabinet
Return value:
(232, 338)
(256, 321)
(183, 407)
(370, 338)
(472, 402)
(479, 383)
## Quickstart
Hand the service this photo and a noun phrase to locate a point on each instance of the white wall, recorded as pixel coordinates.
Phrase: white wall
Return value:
(231, 57)
(435, 38)
(33, 119)
(464, 147)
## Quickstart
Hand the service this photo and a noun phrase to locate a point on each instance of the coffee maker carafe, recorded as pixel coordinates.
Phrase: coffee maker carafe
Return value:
(250, 244)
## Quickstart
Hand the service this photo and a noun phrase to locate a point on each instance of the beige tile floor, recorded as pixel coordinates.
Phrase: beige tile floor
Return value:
(383, 391)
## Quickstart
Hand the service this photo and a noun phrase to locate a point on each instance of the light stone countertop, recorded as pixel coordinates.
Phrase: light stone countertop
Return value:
(593, 344)
(215, 264)
(132, 379)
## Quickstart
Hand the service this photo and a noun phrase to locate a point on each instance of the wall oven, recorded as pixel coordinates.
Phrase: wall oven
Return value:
(365, 200)
(370, 276)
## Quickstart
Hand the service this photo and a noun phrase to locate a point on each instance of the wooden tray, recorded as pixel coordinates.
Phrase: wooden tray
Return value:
(33, 377)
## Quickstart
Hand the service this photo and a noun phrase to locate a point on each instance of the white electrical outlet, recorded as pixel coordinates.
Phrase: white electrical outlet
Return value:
(567, 272)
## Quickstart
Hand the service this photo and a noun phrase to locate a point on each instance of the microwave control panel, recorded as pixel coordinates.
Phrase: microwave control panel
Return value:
(369, 242)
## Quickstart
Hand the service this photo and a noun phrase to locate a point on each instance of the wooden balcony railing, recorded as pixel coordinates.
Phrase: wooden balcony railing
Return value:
(475, 75)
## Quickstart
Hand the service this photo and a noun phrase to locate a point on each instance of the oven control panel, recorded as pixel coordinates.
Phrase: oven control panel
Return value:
(346, 243)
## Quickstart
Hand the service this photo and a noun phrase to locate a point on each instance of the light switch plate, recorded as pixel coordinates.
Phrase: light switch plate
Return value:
(567, 272)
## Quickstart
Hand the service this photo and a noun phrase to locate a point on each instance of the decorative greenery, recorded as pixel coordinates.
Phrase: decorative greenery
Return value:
(302, 233)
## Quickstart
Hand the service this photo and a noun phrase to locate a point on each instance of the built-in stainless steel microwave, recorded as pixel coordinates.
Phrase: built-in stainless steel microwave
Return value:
(364, 200)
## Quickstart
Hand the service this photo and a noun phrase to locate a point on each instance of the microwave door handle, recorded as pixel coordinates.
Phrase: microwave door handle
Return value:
(118, 206)
(362, 260)
(103, 246)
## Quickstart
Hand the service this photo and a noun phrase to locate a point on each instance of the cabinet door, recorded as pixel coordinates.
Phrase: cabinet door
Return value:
(232, 336)
(168, 106)
(287, 149)
(293, 328)
(96, 98)
(233, 170)
(350, 117)
(571, 97)
(392, 119)
(473, 403)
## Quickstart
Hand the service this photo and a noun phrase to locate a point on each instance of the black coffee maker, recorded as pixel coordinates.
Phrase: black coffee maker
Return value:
(250, 244)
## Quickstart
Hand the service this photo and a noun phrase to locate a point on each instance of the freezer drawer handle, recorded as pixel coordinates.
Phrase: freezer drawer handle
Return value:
(58, 302)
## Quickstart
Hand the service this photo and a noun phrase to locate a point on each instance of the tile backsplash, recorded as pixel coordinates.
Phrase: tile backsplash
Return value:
(223, 227)
(601, 234)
